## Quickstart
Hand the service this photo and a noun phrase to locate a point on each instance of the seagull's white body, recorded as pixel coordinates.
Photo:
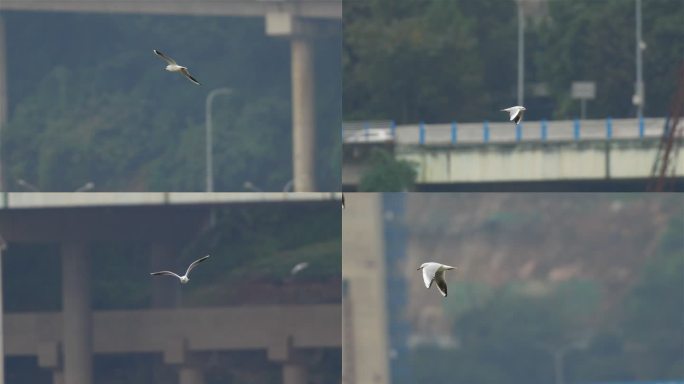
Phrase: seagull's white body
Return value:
(299, 267)
(435, 272)
(174, 67)
(183, 279)
(516, 113)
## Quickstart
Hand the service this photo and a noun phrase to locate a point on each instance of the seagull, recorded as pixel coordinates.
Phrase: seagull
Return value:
(299, 267)
(183, 279)
(174, 67)
(516, 113)
(435, 272)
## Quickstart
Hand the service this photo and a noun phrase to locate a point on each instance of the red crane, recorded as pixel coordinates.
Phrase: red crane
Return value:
(666, 159)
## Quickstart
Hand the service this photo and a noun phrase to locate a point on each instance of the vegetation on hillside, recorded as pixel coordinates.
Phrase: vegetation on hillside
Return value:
(89, 101)
(423, 60)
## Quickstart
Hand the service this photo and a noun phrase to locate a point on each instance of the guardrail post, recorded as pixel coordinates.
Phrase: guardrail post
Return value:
(609, 128)
(421, 133)
(485, 131)
(518, 132)
(543, 130)
(576, 130)
(454, 133)
(393, 128)
(641, 126)
(366, 130)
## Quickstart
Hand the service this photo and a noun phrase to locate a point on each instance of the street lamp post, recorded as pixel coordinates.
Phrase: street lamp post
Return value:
(521, 54)
(639, 91)
(209, 136)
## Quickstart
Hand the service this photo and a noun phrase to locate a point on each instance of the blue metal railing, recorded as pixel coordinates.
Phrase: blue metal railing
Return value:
(421, 133)
(486, 131)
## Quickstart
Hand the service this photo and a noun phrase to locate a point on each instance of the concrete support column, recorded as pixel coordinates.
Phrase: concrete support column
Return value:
(76, 314)
(294, 373)
(3, 94)
(293, 362)
(50, 357)
(303, 116)
(165, 291)
(189, 370)
(190, 375)
(58, 377)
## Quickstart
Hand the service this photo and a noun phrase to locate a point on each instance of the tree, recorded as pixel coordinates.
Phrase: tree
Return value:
(410, 60)
(101, 108)
(386, 174)
(594, 41)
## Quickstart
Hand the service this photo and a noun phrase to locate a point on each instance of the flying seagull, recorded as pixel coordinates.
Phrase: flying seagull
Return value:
(174, 67)
(435, 272)
(299, 267)
(183, 279)
(516, 113)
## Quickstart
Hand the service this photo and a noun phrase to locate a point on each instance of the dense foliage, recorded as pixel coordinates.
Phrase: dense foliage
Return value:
(413, 60)
(89, 101)
(386, 174)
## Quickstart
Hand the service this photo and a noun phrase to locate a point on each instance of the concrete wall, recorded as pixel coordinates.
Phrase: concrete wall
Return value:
(365, 338)
(534, 161)
(232, 328)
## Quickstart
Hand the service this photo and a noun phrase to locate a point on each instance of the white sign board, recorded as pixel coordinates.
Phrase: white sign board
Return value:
(583, 90)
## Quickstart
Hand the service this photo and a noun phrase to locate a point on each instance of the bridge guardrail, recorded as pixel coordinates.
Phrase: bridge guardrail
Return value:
(455, 133)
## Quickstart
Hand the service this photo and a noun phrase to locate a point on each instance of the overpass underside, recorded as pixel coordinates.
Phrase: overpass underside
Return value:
(66, 342)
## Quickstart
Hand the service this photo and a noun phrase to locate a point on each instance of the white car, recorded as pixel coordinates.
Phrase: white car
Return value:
(371, 135)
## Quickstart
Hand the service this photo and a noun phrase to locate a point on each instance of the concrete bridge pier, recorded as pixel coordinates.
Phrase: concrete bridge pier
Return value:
(300, 34)
(176, 353)
(293, 363)
(3, 94)
(165, 291)
(295, 373)
(77, 320)
(50, 357)
(190, 375)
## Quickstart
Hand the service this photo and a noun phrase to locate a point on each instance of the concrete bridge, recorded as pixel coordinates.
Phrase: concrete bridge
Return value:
(289, 19)
(539, 156)
(65, 342)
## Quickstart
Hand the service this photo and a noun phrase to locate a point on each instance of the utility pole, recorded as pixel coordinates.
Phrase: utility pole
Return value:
(521, 54)
(209, 144)
(639, 93)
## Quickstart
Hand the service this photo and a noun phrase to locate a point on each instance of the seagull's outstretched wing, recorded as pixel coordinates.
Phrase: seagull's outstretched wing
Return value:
(429, 272)
(164, 273)
(297, 268)
(187, 74)
(441, 283)
(194, 264)
(517, 116)
(163, 56)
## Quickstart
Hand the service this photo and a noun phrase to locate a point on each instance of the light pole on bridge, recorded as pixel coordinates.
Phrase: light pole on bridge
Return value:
(209, 136)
